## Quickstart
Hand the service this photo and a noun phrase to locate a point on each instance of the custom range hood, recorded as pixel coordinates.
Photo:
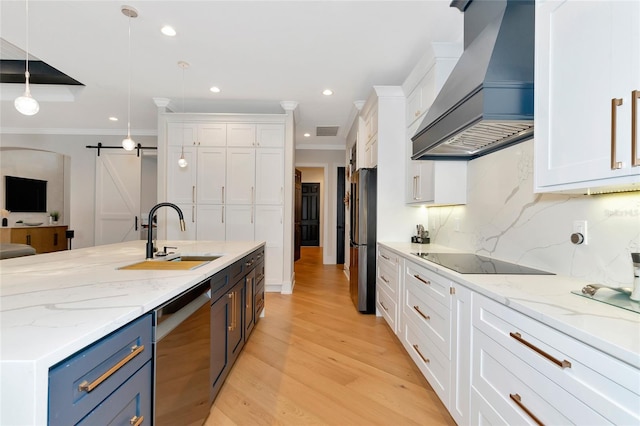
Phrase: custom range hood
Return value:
(487, 102)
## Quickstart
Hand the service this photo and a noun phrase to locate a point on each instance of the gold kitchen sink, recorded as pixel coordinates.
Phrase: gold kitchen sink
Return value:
(154, 265)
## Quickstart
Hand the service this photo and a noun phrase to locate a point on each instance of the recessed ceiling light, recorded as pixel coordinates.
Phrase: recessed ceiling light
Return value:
(113, 118)
(215, 89)
(168, 31)
(327, 92)
(306, 135)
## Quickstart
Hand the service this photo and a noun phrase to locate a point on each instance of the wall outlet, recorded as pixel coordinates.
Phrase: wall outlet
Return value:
(580, 227)
(456, 224)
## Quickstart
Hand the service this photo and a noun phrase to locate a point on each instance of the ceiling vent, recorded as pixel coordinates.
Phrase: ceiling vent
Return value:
(327, 130)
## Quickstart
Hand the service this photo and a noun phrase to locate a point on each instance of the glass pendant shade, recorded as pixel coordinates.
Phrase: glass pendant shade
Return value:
(182, 162)
(26, 104)
(128, 144)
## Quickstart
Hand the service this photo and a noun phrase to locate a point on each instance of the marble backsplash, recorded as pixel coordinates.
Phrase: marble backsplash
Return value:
(504, 219)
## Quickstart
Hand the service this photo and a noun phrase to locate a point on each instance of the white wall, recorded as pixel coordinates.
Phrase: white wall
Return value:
(35, 164)
(331, 159)
(81, 216)
(506, 220)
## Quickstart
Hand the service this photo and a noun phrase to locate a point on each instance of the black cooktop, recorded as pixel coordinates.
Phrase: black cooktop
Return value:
(468, 263)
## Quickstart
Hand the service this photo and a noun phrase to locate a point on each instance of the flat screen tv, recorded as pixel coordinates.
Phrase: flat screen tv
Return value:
(25, 195)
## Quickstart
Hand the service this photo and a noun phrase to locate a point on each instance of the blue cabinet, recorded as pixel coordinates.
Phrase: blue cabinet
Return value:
(85, 380)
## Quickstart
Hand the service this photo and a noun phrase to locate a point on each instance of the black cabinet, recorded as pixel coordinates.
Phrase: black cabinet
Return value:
(233, 313)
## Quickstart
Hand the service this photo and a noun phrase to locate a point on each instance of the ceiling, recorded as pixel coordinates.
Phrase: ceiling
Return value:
(258, 52)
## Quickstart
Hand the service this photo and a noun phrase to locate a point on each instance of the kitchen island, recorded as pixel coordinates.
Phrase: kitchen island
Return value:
(55, 304)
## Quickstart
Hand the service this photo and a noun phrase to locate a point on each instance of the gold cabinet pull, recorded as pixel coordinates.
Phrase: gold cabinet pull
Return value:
(222, 194)
(136, 421)
(88, 387)
(193, 193)
(417, 277)
(384, 307)
(383, 278)
(233, 310)
(426, 360)
(561, 364)
(635, 97)
(417, 309)
(384, 257)
(615, 103)
(516, 398)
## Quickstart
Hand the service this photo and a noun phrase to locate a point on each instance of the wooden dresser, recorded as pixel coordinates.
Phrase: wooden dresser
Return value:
(44, 239)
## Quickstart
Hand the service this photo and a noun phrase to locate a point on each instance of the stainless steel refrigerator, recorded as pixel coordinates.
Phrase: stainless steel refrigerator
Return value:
(362, 269)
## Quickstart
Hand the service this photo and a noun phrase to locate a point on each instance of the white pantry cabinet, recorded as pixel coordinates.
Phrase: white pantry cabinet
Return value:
(233, 187)
(587, 95)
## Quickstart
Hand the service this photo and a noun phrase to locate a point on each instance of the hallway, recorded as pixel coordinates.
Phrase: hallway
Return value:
(314, 360)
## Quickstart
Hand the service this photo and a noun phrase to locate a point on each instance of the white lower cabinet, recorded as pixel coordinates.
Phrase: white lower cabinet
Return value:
(388, 268)
(525, 370)
(490, 364)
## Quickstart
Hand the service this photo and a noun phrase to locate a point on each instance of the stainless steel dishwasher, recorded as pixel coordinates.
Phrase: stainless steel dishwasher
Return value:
(182, 349)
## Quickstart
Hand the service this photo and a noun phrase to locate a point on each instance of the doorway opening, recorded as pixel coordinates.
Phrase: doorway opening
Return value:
(310, 218)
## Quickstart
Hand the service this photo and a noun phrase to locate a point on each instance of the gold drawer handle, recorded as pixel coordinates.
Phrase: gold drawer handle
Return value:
(635, 97)
(136, 421)
(88, 387)
(384, 307)
(615, 103)
(516, 398)
(384, 257)
(417, 309)
(561, 364)
(417, 277)
(426, 360)
(382, 277)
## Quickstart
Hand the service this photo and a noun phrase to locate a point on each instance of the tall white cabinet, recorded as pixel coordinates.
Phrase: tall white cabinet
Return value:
(233, 187)
(587, 96)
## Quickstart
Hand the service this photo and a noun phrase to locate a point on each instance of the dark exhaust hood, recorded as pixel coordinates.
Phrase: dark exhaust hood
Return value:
(487, 102)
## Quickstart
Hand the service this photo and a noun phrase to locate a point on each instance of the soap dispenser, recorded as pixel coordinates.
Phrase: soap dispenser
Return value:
(635, 294)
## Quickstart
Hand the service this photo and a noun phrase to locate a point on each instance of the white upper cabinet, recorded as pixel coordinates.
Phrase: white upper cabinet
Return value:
(269, 176)
(211, 175)
(270, 135)
(585, 106)
(241, 134)
(182, 180)
(240, 176)
(438, 183)
(197, 134)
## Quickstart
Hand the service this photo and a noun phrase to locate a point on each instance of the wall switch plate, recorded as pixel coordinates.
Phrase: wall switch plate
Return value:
(580, 227)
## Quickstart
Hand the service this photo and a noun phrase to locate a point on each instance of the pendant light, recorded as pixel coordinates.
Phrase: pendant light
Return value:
(128, 143)
(26, 104)
(182, 162)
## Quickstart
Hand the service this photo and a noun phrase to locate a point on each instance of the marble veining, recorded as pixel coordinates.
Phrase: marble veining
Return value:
(504, 219)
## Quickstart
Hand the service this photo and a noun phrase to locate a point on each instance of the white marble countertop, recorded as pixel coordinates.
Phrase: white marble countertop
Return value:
(548, 299)
(54, 304)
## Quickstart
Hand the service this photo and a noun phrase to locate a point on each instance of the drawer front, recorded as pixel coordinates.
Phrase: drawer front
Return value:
(389, 259)
(433, 318)
(607, 385)
(388, 307)
(436, 285)
(387, 278)
(103, 366)
(500, 377)
(432, 363)
(130, 404)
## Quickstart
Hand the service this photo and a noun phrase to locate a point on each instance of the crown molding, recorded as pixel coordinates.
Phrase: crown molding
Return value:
(89, 132)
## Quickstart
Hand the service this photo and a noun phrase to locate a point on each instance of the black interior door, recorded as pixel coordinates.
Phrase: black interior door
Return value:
(340, 217)
(310, 222)
(297, 228)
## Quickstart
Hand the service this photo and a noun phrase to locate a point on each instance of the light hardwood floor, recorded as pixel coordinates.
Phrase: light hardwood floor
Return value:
(314, 360)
